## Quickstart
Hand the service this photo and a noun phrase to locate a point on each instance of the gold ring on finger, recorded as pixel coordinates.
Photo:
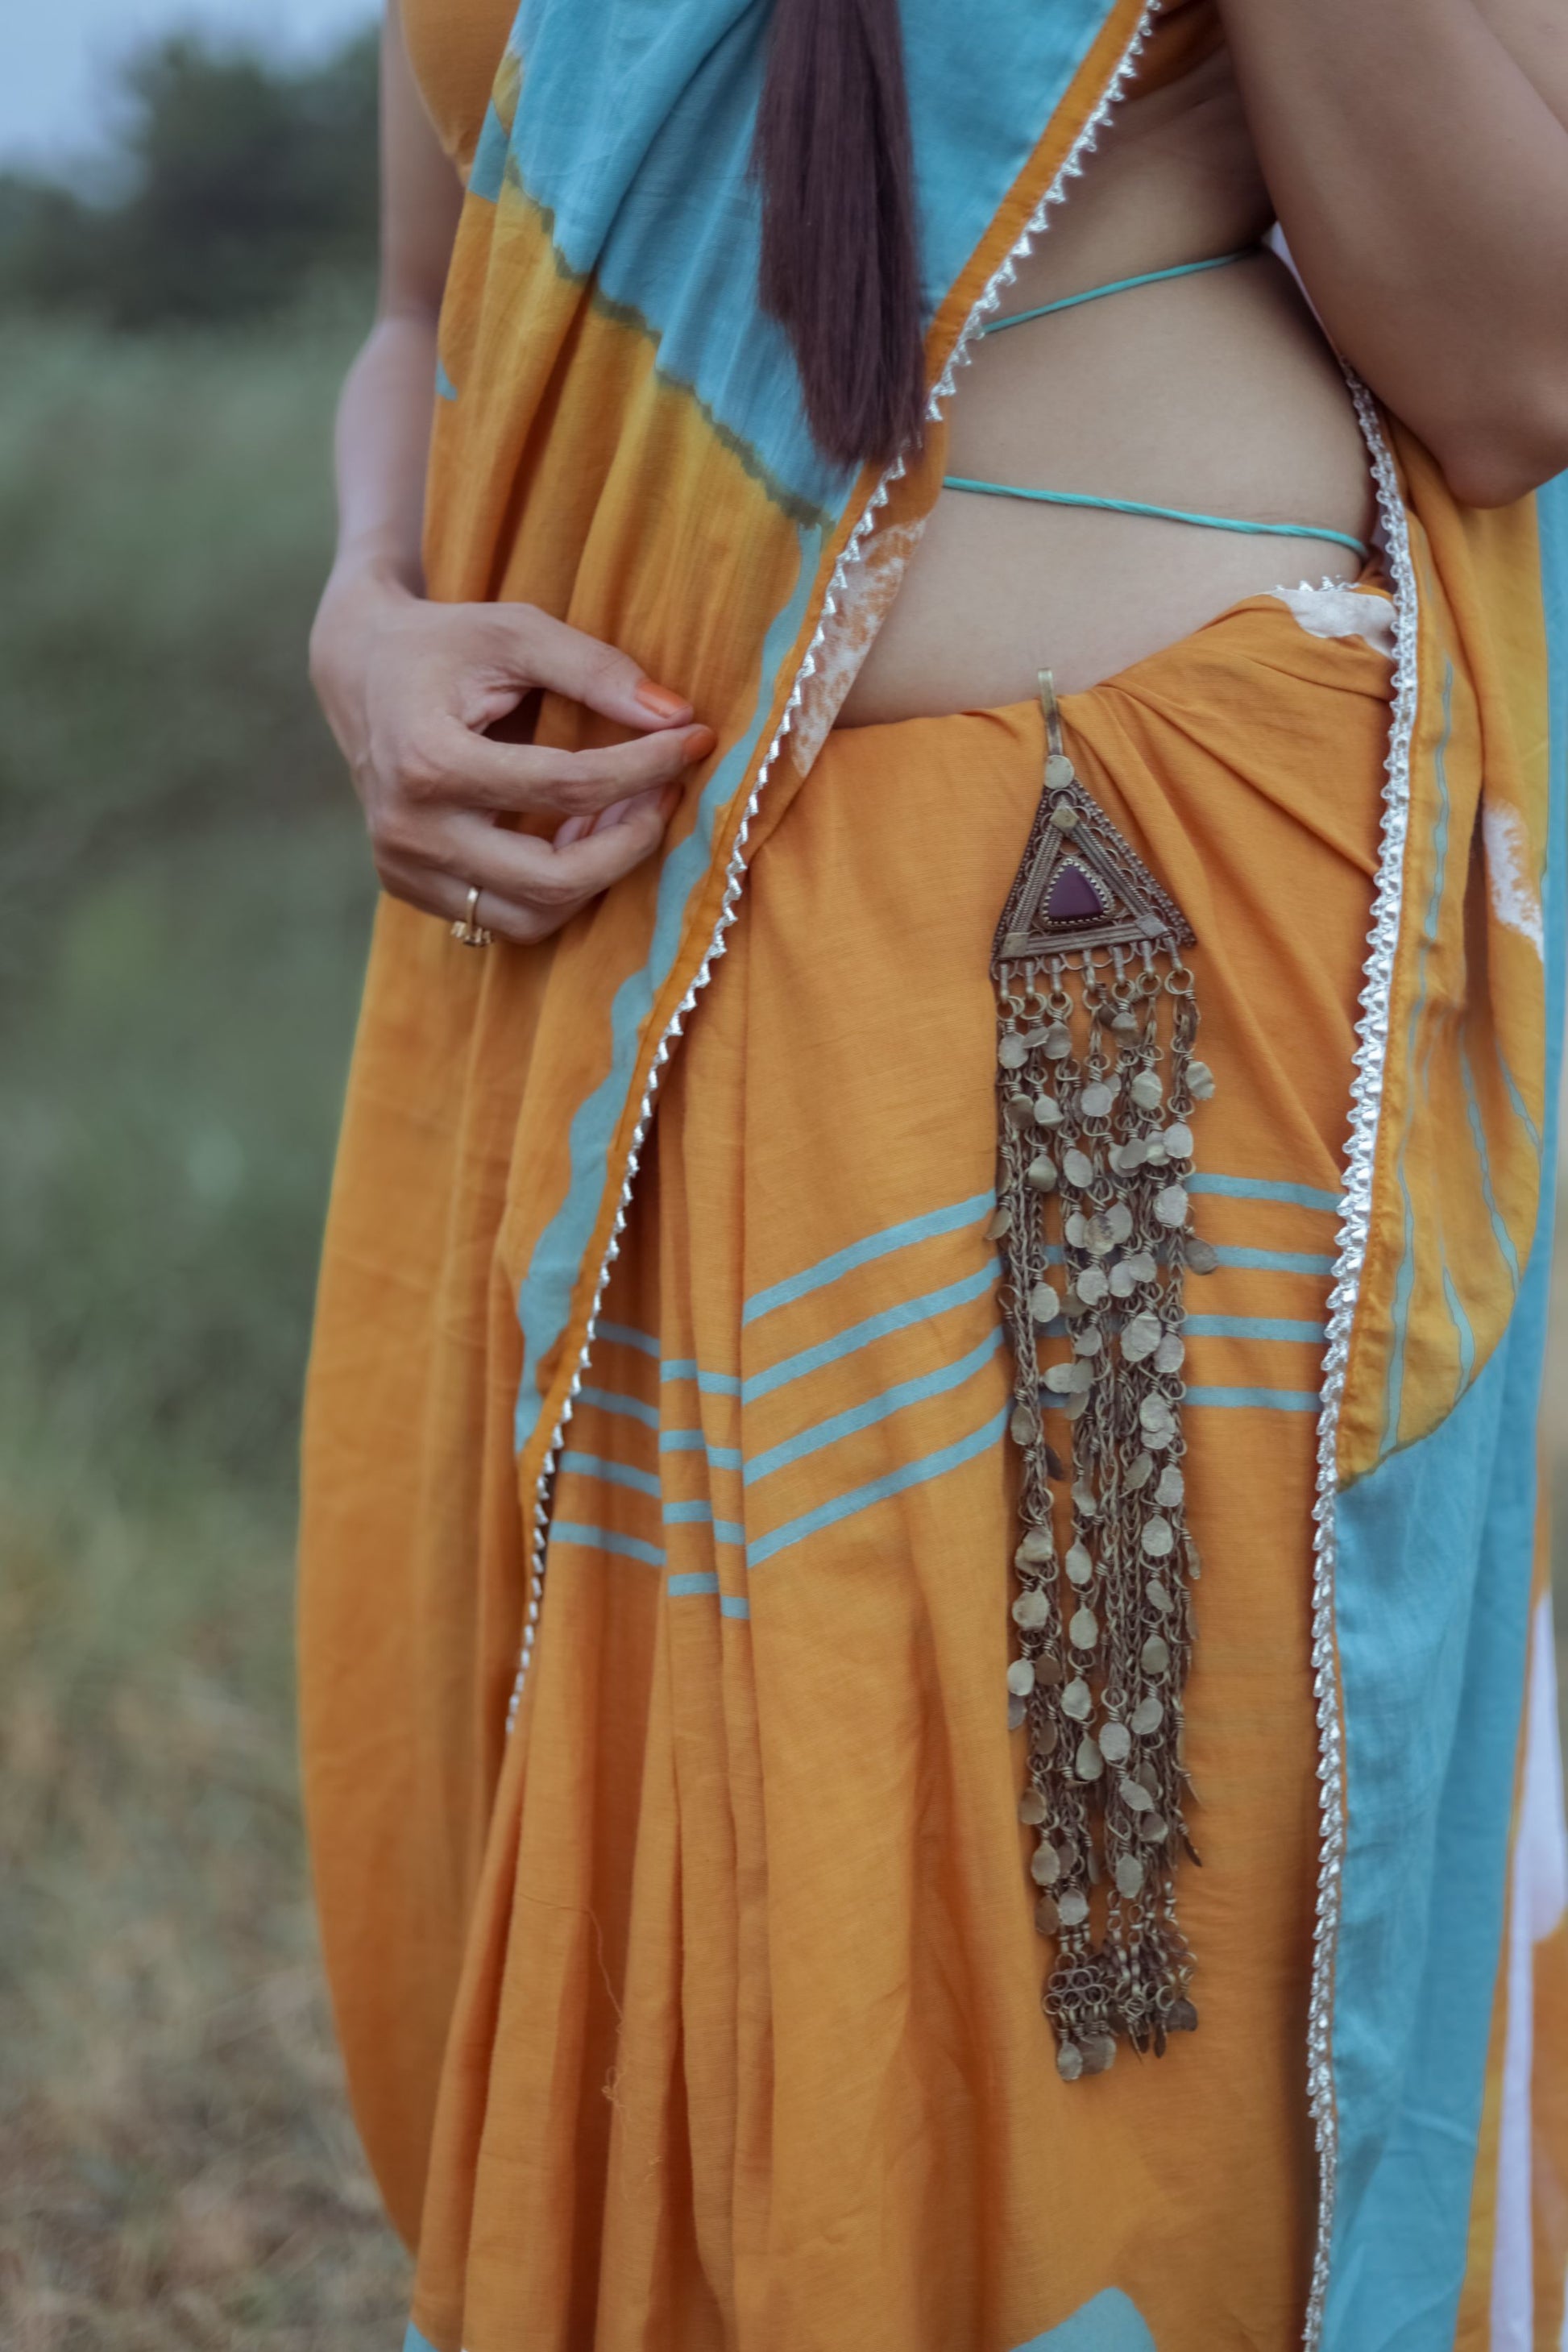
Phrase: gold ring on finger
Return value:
(467, 929)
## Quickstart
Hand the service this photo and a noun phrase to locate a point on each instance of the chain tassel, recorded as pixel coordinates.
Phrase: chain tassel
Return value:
(1097, 1083)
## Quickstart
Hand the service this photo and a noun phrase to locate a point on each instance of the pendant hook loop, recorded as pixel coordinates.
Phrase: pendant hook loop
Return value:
(1053, 714)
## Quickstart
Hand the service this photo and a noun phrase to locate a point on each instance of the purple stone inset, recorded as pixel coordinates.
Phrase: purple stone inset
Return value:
(1073, 898)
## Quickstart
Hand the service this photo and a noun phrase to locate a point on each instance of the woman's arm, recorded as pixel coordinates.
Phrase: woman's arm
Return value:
(383, 417)
(1417, 152)
(409, 687)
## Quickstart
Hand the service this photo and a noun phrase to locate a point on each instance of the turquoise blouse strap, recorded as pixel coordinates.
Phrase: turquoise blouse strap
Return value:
(1121, 285)
(1161, 514)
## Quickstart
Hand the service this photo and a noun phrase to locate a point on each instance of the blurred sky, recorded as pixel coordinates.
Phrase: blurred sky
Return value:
(57, 58)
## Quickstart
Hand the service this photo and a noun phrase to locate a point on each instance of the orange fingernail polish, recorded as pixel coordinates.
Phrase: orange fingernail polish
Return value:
(660, 700)
(699, 741)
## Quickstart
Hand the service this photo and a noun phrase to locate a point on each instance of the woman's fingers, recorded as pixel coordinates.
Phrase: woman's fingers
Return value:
(432, 779)
(550, 653)
(455, 766)
(528, 888)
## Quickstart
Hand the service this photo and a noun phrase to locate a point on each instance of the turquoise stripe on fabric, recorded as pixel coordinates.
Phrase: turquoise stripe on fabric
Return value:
(622, 1335)
(1158, 514)
(1121, 286)
(699, 1513)
(724, 1384)
(1432, 1593)
(876, 1409)
(1257, 1399)
(445, 388)
(863, 1335)
(1264, 1188)
(879, 1490)
(962, 1293)
(1258, 1261)
(1110, 2321)
(569, 1531)
(706, 1580)
(1250, 1327)
(1434, 1581)
(1462, 1330)
(544, 1295)
(415, 2342)
(695, 1441)
(1501, 1233)
(1520, 1107)
(929, 1227)
(629, 1408)
(613, 1473)
(488, 169)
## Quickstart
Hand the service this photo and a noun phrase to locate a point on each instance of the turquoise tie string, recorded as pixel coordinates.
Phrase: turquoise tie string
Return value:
(1160, 514)
(1121, 286)
(1136, 506)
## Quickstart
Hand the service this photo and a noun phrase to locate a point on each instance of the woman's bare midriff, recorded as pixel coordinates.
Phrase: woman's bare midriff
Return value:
(1216, 392)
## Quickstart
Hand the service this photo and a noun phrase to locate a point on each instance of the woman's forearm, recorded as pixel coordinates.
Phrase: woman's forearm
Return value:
(381, 447)
(1417, 154)
(382, 443)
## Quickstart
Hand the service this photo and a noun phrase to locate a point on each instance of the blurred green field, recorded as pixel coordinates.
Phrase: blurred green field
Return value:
(183, 901)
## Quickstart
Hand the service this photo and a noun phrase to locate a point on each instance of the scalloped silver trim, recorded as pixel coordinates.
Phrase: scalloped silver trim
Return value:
(1367, 1105)
(1071, 169)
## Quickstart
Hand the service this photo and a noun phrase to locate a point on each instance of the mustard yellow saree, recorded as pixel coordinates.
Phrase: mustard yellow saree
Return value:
(679, 1698)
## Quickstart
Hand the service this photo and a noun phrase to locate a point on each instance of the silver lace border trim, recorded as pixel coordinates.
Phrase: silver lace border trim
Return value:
(1366, 1104)
(735, 875)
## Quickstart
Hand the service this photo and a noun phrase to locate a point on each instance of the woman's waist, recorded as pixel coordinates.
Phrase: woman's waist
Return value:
(1198, 384)
(1115, 485)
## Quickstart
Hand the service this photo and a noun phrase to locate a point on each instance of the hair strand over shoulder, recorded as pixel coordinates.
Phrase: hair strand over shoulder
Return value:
(840, 268)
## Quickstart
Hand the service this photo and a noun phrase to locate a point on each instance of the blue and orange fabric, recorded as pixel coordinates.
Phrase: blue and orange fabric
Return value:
(704, 2012)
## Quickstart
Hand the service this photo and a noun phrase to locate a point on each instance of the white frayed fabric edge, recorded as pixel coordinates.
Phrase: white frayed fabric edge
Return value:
(990, 298)
(1338, 611)
(1515, 900)
(1366, 1104)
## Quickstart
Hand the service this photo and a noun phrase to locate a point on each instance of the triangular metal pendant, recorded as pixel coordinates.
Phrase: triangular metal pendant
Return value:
(1080, 885)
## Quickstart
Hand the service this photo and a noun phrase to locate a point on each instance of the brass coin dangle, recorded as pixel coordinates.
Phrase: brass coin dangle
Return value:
(1098, 1085)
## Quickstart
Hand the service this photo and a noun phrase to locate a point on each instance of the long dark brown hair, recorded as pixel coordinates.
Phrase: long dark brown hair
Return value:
(840, 267)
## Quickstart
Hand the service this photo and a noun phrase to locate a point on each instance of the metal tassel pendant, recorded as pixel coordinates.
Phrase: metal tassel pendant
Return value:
(1097, 1085)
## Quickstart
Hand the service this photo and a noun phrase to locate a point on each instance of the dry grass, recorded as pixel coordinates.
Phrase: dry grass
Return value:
(177, 2167)
(183, 900)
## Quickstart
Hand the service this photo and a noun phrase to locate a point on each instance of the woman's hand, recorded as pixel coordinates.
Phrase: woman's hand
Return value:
(409, 687)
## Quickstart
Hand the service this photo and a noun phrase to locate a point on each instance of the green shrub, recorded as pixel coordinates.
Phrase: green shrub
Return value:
(240, 181)
(184, 884)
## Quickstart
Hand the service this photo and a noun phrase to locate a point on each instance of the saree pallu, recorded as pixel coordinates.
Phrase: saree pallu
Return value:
(706, 2009)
